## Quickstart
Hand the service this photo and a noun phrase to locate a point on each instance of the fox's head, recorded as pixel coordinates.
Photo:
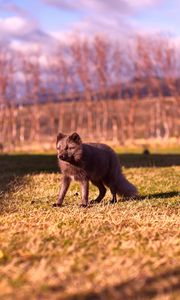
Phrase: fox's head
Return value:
(69, 147)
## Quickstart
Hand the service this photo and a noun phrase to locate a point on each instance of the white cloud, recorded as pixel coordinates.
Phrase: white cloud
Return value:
(95, 6)
(15, 27)
(24, 33)
(91, 6)
(63, 37)
(111, 17)
(144, 3)
(25, 47)
(21, 26)
(9, 6)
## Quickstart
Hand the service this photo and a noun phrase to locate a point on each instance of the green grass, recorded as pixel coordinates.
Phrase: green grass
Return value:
(130, 250)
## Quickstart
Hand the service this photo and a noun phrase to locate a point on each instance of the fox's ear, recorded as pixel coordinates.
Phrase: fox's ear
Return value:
(75, 138)
(60, 136)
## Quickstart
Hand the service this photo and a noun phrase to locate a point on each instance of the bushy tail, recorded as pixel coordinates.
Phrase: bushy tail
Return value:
(125, 188)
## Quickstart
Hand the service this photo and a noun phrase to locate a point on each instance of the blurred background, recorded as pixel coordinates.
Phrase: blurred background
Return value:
(107, 69)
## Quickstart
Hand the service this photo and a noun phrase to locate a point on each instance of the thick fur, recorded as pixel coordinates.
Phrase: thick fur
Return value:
(93, 162)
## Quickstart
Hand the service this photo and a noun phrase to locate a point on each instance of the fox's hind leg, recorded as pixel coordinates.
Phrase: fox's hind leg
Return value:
(114, 199)
(102, 191)
(113, 192)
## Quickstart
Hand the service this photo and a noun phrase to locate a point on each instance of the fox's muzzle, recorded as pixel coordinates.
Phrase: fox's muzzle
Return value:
(62, 157)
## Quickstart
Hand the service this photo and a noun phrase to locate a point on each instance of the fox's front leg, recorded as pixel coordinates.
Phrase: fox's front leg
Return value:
(63, 190)
(84, 192)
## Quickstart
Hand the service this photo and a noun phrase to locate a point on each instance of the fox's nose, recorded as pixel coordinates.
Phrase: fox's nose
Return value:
(62, 156)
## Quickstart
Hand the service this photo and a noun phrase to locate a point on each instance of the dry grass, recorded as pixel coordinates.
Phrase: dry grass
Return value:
(130, 250)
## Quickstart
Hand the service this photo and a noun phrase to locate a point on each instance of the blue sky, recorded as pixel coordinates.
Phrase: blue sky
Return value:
(37, 21)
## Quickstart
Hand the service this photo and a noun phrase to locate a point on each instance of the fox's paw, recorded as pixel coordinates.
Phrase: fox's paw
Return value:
(113, 201)
(94, 201)
(83, 205)
(56, 205)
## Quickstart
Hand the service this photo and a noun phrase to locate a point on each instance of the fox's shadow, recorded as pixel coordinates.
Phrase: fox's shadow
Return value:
(147, 197)
(156, 196)
(144, 197)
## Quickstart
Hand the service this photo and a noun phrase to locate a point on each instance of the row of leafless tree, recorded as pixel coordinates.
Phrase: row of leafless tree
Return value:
(87, 80)
(106, 121)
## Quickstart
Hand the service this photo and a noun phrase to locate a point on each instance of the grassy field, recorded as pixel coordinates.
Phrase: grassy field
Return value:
(130, 250)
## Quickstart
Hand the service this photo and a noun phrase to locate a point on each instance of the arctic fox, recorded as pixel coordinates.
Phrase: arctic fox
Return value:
(93, 162)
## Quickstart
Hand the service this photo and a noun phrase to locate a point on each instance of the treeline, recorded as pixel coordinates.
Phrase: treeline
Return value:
(93, 74)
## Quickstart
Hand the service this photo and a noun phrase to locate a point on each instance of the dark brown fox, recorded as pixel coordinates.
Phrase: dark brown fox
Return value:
(97, 163)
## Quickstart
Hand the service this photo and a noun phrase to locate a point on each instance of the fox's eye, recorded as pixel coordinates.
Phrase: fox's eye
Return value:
(71, 148)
